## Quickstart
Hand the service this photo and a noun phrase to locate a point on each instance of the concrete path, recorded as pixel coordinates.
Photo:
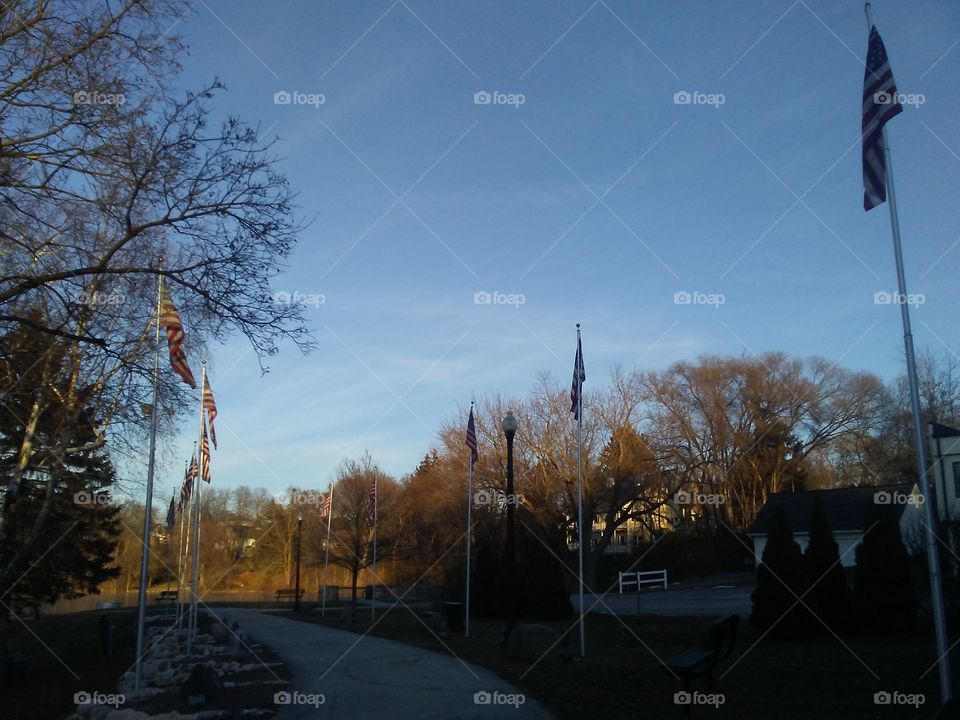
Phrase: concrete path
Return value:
(364, 677)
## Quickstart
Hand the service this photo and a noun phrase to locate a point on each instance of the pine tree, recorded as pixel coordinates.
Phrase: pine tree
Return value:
(884, 590)
(830, 597)
(781, 579)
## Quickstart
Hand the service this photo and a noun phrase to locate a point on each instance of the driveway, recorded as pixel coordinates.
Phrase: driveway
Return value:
(712, 597)
(364, 677)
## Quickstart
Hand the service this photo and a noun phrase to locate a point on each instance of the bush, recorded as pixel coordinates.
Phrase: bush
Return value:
(884, 590)
(781, 579)
(830, 597)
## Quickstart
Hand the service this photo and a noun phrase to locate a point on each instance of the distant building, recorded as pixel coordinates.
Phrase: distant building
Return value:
(847, 510)
(945, 455)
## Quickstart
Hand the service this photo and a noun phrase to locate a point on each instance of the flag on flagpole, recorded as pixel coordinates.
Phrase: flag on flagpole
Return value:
(327, 505)
(204, 455)
(171, 321)
(171, 514)
(471, 438)
(187, 489)
(880, 103)
(373, 498)
(576, 389)
(211, 407)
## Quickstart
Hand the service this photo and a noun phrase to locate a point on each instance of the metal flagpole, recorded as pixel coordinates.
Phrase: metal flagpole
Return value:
(466, 627)
(577, 370)
(933, 557)
(148, 506)
(197, 492)
(183, 523)
(326, 555)
(373, 593)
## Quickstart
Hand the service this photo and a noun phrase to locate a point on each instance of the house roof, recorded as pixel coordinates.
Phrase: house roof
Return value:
(846, 508)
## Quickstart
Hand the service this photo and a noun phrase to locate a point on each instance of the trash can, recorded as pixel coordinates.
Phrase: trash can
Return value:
(455, 614)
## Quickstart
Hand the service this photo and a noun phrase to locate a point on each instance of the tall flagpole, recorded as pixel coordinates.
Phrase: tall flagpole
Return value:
(577, 370)
(466, 626)
(183, 523)
(326, 555)
(933, 556)
(373, 593)
(197, 492)
(148, 506)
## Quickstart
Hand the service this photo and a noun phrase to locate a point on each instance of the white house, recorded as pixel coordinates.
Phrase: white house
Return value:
(846, 510)
(945, 455)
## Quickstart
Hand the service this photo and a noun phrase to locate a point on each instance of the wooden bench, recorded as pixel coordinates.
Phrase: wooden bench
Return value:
(701, 662)
(635, 579)
(167, 597)
(289, 594)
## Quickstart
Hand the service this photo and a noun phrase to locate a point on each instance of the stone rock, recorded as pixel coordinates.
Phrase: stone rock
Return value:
(537, 643)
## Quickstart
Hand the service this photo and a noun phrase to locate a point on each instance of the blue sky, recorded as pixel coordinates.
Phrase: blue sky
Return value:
(597, 199)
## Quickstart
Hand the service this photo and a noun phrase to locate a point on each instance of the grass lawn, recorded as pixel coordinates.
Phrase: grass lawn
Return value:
(63, 658)
(820, 677)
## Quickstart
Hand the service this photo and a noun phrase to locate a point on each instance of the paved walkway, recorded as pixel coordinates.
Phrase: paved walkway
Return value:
(364, 677)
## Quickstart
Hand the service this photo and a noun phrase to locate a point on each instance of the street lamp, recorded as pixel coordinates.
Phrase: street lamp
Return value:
(296, 588)
(509, 551)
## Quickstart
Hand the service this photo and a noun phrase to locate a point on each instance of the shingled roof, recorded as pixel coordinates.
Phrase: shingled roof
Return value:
(846, 508)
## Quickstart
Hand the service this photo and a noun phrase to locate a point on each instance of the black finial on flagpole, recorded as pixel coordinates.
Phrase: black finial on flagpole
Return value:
(578, 326)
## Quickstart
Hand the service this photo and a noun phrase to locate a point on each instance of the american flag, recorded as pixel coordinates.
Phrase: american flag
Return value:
(171, 514)
(880, 103)
(171, 321)
(187, 489)
(211, 407)
(327, 505)
(576, 389)
(471, 438)
(373, 498)
(204, 455)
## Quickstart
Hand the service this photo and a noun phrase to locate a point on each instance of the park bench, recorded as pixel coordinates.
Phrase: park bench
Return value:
(701, 662)
(635, 578)
(166, 597)
(289, 594)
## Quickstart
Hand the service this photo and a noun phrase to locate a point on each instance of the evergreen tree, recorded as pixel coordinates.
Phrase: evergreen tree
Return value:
(781, 579)
(545, 595)
(830, 597)
(884, 590)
